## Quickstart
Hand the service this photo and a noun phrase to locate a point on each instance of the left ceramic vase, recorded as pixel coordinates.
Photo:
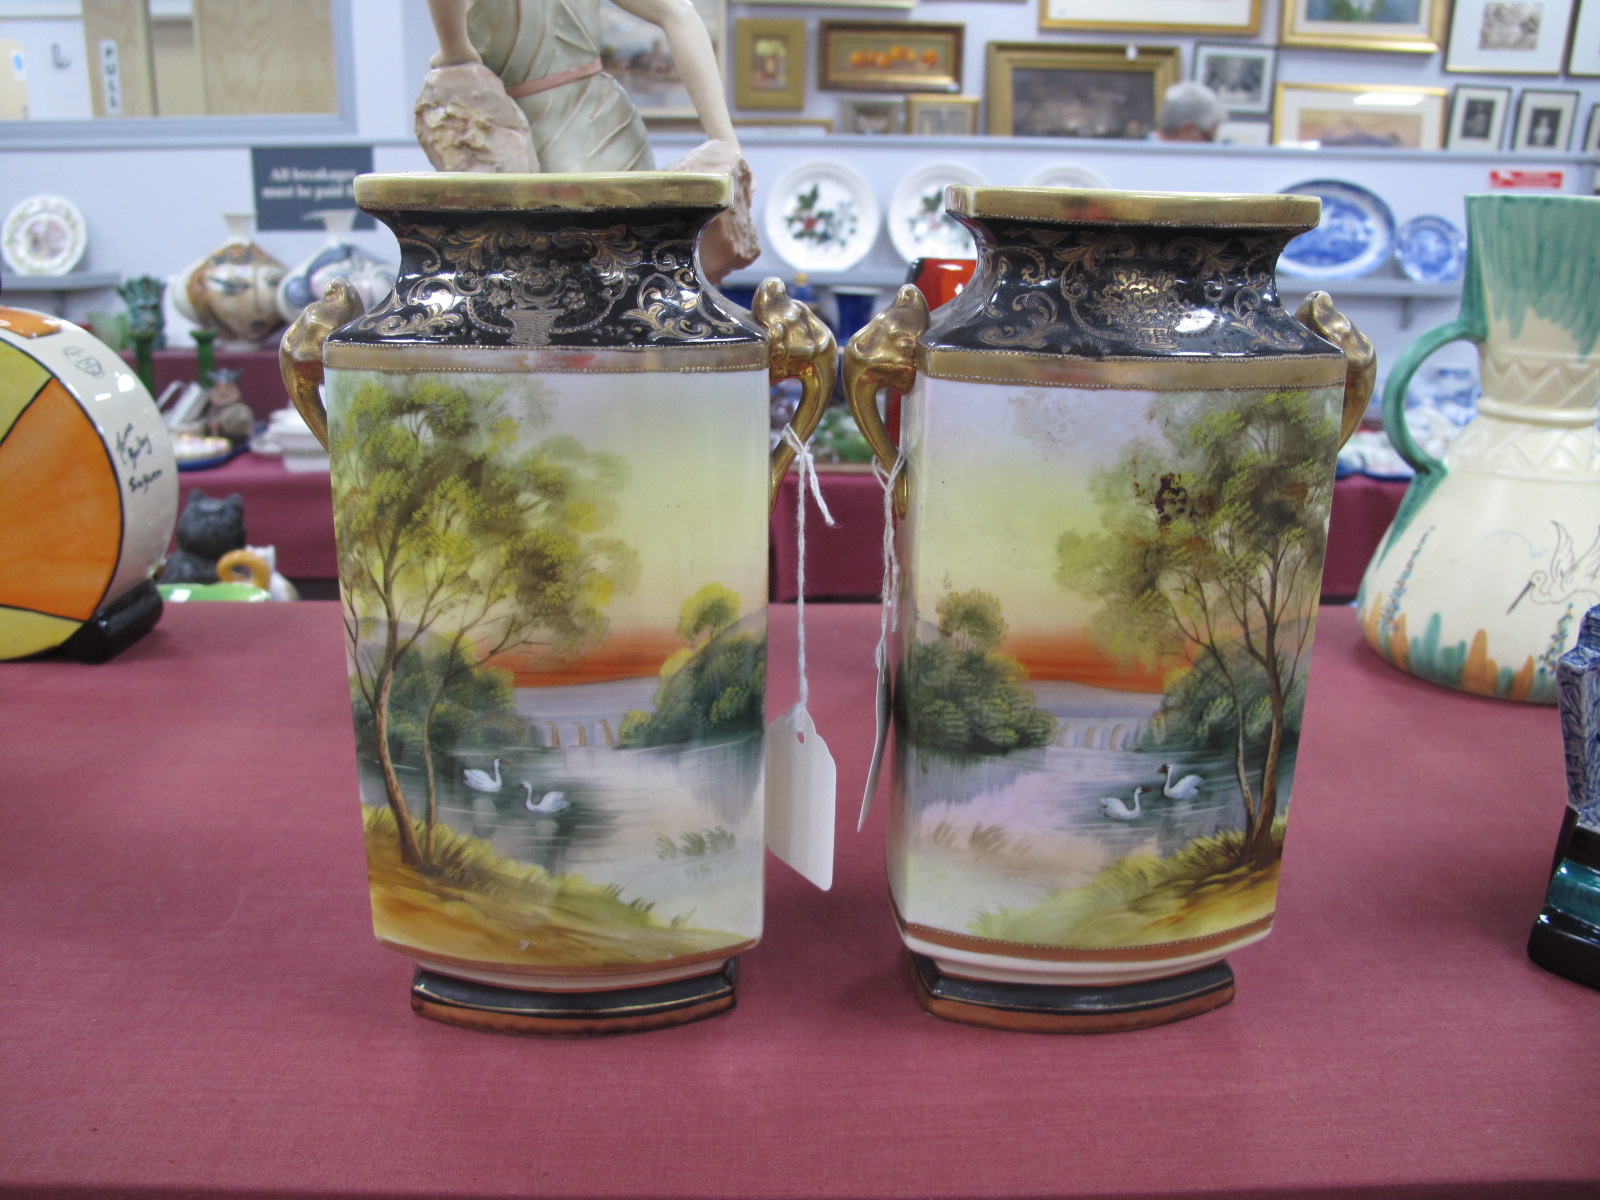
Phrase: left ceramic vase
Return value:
(549, 451)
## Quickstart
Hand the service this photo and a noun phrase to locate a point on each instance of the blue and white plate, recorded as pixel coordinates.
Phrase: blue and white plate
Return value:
(1431, 250)
(1355, 236)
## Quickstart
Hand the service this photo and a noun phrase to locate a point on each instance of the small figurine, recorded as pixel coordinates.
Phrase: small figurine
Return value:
(207, 530)
(142, 294)
(226, 414)
(542, 101)
(1566, 935)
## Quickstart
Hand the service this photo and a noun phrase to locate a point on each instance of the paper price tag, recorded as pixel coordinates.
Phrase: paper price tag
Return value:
(801, 783)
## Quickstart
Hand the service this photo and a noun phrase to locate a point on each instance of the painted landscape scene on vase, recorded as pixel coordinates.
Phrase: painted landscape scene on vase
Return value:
(554, 599)
(1102, 681)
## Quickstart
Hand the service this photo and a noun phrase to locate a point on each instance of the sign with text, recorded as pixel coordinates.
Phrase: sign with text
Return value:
(1543, 180)
(293, 182)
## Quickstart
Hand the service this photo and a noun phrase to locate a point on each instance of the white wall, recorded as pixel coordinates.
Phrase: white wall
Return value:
(157, 210)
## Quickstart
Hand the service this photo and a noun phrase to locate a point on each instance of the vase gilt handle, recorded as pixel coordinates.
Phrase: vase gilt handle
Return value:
(884, 355)
(300, 355)
(1319, 315)
(801, 347)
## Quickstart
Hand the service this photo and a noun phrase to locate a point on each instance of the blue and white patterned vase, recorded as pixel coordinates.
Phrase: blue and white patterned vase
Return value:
(1566, 936)
(336, 258)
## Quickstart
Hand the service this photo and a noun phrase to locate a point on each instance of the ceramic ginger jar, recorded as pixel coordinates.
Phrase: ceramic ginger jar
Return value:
(551, 476)
(1494, 556)
(89, 487)
(234, 289)
(1118, 460)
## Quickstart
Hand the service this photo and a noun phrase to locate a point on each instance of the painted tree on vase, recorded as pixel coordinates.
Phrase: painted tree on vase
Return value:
(449, 530)
(1213, 550)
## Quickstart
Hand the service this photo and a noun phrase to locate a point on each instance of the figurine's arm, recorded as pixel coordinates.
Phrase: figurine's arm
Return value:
(697, 62)
(450, 24)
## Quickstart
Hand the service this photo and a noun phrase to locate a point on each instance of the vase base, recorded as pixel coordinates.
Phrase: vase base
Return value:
(567, 1014)
(1566, 946)
(1051, 1008)
(116, 626)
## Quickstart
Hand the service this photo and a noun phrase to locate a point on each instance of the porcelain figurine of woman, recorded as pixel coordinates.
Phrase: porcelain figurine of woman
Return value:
(505, 66)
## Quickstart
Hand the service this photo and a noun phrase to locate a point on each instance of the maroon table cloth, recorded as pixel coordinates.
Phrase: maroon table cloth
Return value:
(196, 1007)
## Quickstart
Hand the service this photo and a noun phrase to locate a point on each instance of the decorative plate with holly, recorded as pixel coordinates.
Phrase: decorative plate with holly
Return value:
(919, 227)
(821, 217)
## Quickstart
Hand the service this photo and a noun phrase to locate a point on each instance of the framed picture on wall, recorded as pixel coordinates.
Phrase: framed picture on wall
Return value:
(872, 114)
(633, 50)
(942, 116)
(791, 126)
(1477, 117)
(1521, 37)
(1404, 26)
(769, 63)
(869, 56)
(1545, 120)
(1241, 17)
(1241, 76)
(1591, 133)
(1326, 114)
(1585, 56)
(1041, 89)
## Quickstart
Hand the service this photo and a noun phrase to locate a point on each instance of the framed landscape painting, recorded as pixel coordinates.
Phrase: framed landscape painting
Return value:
(1521, 37)
(1237, 17)
(1404, 26)
(1040, 89)
(872, 114)
(1323, 114)
(633, 50)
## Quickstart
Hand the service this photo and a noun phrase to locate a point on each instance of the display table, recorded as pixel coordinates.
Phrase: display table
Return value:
(196, 1007)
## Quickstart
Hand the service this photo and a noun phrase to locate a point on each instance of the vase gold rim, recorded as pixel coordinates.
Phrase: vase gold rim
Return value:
(473, 192)
(1092, 206)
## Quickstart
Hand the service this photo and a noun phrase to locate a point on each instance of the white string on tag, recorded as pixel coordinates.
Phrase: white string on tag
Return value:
(888, 621)
(801, 777)
(806, 467)
(889, 594)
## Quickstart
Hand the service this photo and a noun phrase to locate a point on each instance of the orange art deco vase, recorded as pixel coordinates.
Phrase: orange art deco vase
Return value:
(89, 489)
(1118, 462)
(551, 472)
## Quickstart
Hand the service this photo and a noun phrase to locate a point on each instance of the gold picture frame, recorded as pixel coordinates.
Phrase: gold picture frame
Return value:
(1241, 18)
(1359, 116)
(1041, 89)
(769, 63)
(942, 116)
(883, 56)
(1338, 25)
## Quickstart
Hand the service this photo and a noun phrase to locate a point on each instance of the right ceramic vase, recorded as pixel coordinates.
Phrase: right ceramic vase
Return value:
(1115, 470)
(1495, 553)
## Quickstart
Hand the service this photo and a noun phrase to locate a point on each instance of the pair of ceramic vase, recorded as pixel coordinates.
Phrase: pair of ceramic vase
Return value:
(1113, 476)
